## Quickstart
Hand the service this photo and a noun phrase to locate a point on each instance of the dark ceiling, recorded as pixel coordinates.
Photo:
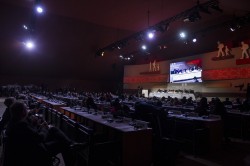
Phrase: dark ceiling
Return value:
(130, 15)
(71, 32)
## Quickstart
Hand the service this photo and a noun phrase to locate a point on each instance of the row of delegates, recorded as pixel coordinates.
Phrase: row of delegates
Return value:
(6, 115)
(31, 141)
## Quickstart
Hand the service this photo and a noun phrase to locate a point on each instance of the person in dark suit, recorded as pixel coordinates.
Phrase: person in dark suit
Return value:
(202, 108)
(6, 115)
(24, 145)
(29, 145)
(227, 102)
(90, 103)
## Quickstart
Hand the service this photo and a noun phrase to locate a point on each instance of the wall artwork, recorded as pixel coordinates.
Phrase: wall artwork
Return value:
(244, 54)
(224, 52)
(154, 68)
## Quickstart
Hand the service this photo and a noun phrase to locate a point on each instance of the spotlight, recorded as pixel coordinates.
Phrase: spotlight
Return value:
(232, 28)
(25, 27)
(182, 35)
(144, 47)
(237, 24)
(151, 35)
(100, 53)
(39, 9)
(29, 44)
(121, 44)
(240, 23)
(162, 47)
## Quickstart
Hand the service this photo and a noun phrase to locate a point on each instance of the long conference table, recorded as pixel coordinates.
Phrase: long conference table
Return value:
(238, 124)
(213, 124)
(136, 144)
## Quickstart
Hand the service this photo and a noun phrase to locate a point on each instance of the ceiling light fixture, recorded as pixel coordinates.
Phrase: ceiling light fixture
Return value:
(191, 14)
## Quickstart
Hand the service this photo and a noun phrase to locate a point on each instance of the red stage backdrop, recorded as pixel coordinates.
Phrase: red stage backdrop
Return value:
(223, 74)
(218, 74)
(145, 79)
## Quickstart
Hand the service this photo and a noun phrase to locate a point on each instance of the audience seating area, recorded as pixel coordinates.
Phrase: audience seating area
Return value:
(137, 131)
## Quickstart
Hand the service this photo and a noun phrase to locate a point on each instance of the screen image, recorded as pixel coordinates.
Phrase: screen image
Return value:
(186, 71)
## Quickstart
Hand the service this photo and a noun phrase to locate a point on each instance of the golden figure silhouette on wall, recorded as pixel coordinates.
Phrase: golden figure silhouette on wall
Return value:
(220, 51)
(244, 48)
(153, 66)
(227, 51)
(150, 66)
(224, 52)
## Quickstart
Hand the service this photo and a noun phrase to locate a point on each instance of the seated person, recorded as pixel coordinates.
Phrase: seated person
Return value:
(116, 105)
(227, 102)
(202, 108)
(183, 100)
(245, 107)
(189, 102)
(143, 108)
(90, 103)
(237, 104)
(29, 144)
(219, 108)
(6, 115)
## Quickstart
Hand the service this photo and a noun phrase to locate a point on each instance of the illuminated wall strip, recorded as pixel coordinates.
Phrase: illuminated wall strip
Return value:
(146, 79)
(224, 74)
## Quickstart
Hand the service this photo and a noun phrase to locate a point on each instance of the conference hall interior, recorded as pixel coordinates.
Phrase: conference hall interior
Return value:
(125, 83)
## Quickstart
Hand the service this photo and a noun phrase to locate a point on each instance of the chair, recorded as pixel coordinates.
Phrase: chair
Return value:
(85, 134)
(49, 115)
(193, 135)
(69, 127)
(53, 117)
(246, 127)
(97, 153)
(58, 119)
(46, 114)
(9, 155)
(3, 141)
(234, 125)
(165, 149)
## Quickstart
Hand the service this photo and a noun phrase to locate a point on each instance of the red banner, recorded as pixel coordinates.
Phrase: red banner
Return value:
(145, 79)
(223, 74)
